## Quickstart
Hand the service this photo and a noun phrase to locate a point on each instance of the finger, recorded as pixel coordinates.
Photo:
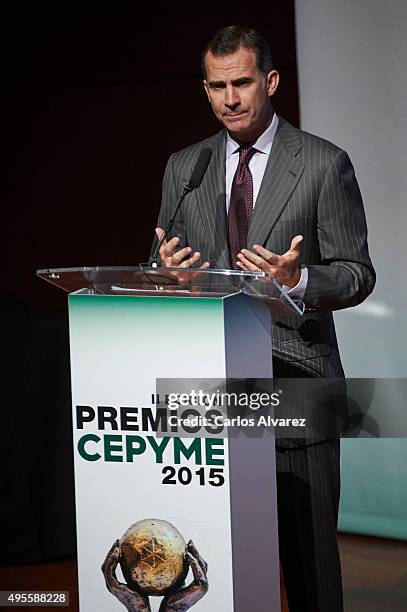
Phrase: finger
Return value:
(194, 551)
(295, 244)
(257, 260)
(179, 256)
(191, 260)
(112, 557)
(269, 256)
(168, 248)
(205, 266)
(109, 566)
(195, 567)
(160, 232)
(246, 264)
(242, 267)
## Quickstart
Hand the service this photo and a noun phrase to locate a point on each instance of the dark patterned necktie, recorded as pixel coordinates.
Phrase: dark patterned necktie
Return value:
(241, 204)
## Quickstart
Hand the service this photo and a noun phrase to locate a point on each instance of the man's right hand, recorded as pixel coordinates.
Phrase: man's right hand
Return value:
(171, 258)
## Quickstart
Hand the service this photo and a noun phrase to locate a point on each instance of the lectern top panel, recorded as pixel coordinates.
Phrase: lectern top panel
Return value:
(142, 279)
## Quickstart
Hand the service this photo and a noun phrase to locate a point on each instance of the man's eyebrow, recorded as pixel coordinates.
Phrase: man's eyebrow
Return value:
(235, 82)
(242, 81)
(217, 84)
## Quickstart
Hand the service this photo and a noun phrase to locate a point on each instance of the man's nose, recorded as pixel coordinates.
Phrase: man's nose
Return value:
(232, 100)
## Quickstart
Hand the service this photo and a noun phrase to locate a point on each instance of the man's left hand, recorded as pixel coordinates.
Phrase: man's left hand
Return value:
(284, 268)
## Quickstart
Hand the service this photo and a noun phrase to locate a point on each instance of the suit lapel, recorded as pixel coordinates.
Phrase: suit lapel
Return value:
(283, 171)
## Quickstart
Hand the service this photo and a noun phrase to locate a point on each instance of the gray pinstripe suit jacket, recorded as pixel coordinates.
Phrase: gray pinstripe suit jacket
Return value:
(309, 188)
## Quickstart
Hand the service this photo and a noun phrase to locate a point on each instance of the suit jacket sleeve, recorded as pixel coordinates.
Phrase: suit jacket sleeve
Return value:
(345, 276)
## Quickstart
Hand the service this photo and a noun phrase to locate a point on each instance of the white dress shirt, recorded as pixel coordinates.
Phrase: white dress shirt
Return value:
(257, 166)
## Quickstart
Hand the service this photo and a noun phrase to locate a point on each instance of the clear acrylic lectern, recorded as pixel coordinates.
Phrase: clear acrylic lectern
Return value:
(129, 328)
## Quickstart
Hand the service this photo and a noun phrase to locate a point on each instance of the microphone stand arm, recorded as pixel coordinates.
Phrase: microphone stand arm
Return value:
(186, 189)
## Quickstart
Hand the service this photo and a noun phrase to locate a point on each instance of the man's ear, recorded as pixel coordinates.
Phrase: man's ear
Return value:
(205, 84)
(273, 79)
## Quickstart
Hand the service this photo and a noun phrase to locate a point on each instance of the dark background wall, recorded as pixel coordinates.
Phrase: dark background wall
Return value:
(96, 100)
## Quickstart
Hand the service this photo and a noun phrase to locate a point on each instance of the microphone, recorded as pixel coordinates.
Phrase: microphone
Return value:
(195, 180)
(199, 170)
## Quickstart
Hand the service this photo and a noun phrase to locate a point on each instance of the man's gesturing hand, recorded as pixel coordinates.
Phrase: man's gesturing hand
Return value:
(284, 268)
(170, 258)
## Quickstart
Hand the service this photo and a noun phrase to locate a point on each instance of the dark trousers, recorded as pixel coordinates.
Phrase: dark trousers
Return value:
(308, 486)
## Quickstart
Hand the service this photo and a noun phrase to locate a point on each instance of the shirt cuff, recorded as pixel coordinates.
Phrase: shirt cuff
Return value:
(299, 289)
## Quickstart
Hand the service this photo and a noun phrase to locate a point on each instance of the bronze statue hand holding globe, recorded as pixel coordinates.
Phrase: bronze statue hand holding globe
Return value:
(155, 560)
(132, 600)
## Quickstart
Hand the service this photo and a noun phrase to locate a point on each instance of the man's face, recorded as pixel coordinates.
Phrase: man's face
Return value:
(239, 93)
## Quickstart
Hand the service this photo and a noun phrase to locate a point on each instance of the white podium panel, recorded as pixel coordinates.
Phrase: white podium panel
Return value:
(219, 493)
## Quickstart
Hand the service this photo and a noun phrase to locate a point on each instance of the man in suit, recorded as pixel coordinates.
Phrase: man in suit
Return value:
(293, 209)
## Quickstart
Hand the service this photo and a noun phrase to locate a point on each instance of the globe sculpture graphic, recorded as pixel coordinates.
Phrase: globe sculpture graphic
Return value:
(153, 559)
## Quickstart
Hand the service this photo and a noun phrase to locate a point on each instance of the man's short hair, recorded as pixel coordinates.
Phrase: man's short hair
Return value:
(228, 40)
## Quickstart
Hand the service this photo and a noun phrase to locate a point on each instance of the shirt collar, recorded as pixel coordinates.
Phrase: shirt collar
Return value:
(262, 144)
